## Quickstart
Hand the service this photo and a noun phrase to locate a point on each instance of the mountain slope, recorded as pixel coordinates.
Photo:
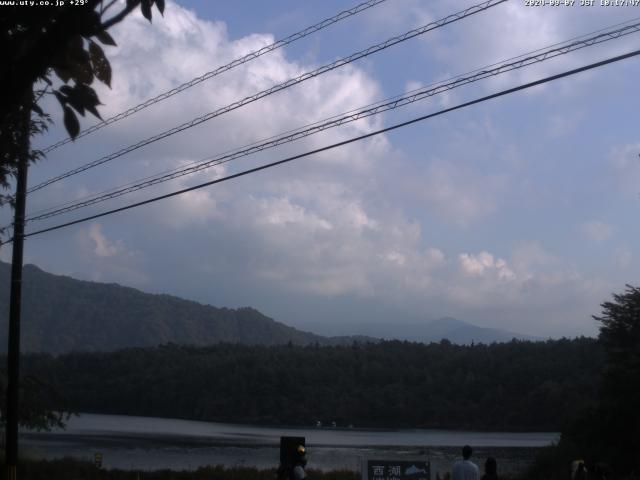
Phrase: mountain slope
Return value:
(62, 314)
(461, 332)
(454, 330)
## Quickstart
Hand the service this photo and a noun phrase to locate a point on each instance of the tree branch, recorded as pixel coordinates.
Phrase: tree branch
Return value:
(120, 16)
(104, 9)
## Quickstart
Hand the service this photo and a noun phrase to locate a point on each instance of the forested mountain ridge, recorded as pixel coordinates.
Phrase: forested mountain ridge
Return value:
(62, 314)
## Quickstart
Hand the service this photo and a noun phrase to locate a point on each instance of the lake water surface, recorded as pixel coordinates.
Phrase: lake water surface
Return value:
(146, 443)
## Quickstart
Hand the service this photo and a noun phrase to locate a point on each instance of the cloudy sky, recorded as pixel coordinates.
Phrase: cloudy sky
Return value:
(518, 213)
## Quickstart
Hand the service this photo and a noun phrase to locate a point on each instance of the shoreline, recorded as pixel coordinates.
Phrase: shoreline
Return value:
(329, 428)
(165, 455)
(147, 443)
(124, 428)
(200, 441)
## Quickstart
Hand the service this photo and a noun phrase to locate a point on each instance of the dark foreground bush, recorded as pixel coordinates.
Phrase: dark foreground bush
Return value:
(554, 463)
(551, 463)
(72, 469)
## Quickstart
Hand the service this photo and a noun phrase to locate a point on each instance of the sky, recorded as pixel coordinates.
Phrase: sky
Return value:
(518, 213)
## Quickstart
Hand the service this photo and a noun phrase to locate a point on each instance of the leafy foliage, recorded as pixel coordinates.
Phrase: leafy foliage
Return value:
(33, 411)
(39, 44)
(615, 429)
(609, 430)
(516, 385)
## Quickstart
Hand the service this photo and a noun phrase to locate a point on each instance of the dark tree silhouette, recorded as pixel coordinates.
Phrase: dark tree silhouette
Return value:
(37, 396)
(608, 431)
(41, 42)
(620, 401)
(515, 385)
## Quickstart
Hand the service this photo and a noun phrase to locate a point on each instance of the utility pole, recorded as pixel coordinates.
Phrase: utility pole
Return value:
(13, 355)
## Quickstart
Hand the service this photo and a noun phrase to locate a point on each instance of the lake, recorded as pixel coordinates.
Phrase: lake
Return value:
(146, 443)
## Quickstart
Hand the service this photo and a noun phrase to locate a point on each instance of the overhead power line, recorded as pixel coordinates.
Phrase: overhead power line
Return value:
(224, 68)
(612, 31)
(276, 88)
(340, 144)
(385, 105)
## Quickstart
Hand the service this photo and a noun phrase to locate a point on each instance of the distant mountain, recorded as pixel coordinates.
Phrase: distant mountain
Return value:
(461, 332)
(62, 314)
(454, 330)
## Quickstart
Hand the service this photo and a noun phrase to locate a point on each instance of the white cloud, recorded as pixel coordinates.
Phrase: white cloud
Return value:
(531, 291)
(530, 259)
(625, 160)
(624, 257)
(512, 29)
(597, 231)
(280, 211)
(483, 264)
(564, 124)
(102, 258)
(461, 195)
(412, 85)
(327, 225)
(102, 246)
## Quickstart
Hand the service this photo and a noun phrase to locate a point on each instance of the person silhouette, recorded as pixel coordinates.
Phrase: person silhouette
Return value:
(300, 461)
(490, 469)
(465, 469)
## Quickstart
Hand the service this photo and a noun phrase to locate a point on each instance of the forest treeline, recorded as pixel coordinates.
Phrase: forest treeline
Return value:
(516, 385)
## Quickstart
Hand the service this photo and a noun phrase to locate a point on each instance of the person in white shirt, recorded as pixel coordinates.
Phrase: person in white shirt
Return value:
(465, 469)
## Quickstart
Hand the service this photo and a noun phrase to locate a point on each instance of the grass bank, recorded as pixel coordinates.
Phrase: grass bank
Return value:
(73, 469)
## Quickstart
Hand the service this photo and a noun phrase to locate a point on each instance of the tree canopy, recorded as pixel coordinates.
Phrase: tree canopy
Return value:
(49, 50)
(620, 397)
(42, 43)
(608, 432)
(34, 410)
(515, 385)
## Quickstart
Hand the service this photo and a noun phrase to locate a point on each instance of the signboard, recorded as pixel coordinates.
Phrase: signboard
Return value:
(398, 470)
(288, 448)
(288, 455)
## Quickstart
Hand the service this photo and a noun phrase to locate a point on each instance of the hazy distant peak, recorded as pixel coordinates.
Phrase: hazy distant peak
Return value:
(452, 329)
(448, 322)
